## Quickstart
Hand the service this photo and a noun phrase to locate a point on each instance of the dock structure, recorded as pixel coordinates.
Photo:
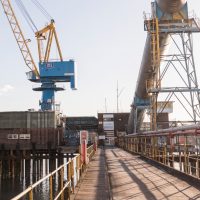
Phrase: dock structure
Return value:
(26, 135)
(133, 178)
(113, 173)
(95, 181)
(116, 174)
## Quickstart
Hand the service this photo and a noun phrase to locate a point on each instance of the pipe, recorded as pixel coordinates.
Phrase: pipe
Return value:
(145, 68)
(171, 6)
(167, 6)
(176, 130)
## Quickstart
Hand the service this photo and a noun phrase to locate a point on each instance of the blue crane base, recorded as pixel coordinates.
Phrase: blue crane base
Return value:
(50, 74)
(48, 95)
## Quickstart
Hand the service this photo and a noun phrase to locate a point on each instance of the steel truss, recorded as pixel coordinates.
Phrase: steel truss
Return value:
(182, 61)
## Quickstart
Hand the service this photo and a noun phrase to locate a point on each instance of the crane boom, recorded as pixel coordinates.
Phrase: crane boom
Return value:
(50, 72)
(40, 35)
(21, 41)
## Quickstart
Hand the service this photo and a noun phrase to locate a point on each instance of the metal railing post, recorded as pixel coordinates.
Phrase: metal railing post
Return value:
(62, 181)
(31, 194)
(50, 188)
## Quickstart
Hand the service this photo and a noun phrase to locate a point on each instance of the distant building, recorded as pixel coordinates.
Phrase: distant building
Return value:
(81, 123)
(112, 125)
(73, 126)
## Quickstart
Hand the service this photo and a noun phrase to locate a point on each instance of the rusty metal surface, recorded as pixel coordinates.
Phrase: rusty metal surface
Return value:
(171, 6)
(42, 138)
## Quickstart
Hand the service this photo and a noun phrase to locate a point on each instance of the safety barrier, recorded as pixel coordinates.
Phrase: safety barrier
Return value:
(91, 152)
(177, 148)
(69, 175)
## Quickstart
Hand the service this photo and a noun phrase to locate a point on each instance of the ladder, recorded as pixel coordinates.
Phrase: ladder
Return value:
(155, 69)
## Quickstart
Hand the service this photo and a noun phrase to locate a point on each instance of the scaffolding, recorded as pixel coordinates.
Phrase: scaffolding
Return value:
(155, 68)
(181, 59)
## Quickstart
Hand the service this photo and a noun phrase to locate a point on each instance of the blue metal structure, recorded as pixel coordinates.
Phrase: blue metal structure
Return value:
(50, 74)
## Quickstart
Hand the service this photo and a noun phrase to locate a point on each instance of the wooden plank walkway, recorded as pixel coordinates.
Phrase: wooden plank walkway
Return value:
(130, 178)
(94, 185)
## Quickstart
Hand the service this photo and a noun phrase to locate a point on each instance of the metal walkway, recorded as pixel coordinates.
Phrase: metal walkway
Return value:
(130, 178)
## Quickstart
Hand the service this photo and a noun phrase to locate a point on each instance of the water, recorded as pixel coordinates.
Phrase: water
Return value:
(26, 172)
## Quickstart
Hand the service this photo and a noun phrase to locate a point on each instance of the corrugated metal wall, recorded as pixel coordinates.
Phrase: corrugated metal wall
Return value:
(13, 119)
(28, 119)
(28, 129)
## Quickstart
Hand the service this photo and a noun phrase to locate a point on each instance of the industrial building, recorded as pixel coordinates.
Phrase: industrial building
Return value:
(73, 126)
(27, 130)
(112, 125)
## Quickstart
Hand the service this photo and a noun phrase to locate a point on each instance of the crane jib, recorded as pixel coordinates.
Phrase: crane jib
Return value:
(49, 72)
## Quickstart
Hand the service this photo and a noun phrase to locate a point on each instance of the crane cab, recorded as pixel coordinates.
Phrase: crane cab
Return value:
(58, 71)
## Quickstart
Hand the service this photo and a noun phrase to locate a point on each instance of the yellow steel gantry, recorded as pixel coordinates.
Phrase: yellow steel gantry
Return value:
(41, 36)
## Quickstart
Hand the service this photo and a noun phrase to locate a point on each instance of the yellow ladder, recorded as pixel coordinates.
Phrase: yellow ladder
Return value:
(155, 65)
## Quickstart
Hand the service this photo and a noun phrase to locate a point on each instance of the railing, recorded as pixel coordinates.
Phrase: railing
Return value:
(69, 175)
(175, 148)
(90, 152)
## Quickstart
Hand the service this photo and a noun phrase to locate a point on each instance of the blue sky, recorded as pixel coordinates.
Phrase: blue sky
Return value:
(104, 37)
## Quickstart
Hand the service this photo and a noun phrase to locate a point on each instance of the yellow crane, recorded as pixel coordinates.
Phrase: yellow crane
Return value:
(49, 72)
(19, 36)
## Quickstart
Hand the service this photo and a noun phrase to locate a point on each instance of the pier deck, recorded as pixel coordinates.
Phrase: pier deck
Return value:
(129, 177)
(95, 183)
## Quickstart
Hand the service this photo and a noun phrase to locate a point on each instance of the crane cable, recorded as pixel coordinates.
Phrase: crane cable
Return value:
(28, 17)
(42, 9)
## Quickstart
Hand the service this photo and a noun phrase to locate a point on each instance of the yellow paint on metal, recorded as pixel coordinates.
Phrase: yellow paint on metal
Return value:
(42, 36)
(19, 36)
(31, 195)
(155, 64)
(50, 188)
